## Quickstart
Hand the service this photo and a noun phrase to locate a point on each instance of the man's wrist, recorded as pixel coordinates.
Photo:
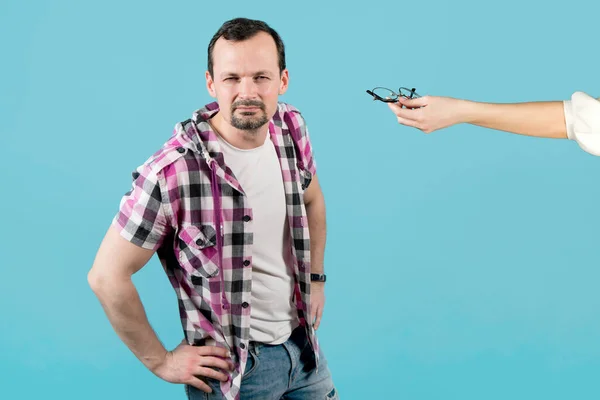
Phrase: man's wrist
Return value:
(156, 364)
(468, 111)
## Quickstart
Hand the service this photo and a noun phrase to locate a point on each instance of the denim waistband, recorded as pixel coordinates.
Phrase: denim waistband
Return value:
(298, 337)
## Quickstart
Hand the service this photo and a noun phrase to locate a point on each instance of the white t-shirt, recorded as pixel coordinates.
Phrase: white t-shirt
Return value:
(273, 315)
(582, 116)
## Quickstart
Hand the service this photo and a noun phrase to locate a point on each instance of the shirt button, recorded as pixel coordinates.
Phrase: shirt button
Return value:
(246, 218)
(199, 242)
(246, 263)
(181, 150)
(242, 346)
(225, 306)
(245, 305)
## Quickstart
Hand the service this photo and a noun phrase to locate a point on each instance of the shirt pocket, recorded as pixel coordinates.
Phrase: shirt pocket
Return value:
(197, 248)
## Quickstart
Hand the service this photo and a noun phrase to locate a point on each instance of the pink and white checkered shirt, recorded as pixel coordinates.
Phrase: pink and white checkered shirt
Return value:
(186, 204)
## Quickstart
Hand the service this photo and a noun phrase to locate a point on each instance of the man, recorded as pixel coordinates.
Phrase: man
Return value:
(576, 119)
(228, 204)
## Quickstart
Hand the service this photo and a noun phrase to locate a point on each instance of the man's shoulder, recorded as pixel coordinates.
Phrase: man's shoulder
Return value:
(287, 108)
(174, 150)
(290, 118)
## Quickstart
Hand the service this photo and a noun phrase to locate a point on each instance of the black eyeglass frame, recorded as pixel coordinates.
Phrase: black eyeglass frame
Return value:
(411, 94)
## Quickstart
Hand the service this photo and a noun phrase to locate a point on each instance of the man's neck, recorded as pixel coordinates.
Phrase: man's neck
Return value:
(242, 139)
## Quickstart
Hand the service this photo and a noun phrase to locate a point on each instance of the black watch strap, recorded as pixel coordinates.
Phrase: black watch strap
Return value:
(318, 277)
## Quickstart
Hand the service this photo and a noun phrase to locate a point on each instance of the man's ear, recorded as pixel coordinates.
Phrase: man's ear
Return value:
(210, 85)
(285, 80)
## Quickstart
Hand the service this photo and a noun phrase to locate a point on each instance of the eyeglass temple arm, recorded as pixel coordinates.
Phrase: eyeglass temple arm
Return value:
(375, 96)
(412, 93)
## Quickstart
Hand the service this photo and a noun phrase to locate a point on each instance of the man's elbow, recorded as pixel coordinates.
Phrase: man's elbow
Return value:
(100, 280)
(96, 281)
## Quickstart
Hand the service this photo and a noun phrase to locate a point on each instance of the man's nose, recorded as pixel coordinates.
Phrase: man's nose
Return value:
(247, 88)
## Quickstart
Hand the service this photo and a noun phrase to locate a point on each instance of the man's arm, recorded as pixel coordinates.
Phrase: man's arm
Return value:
(110, 279)
(315, 210)
(430, 113)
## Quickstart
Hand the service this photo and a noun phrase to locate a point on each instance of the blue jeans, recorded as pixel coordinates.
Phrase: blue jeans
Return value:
(285, 371)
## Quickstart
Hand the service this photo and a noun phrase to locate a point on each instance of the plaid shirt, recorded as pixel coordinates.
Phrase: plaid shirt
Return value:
(186, 204)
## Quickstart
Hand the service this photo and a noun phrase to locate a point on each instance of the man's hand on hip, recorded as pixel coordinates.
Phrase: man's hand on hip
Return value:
(187, 363)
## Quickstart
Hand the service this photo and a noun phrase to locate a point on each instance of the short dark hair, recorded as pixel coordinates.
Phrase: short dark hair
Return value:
(239, 29)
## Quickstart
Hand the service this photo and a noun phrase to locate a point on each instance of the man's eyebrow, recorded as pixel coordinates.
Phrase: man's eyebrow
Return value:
(228, 74)
(263, 72)
(235, 75)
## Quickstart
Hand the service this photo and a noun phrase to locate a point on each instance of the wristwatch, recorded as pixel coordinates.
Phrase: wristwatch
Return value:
(318, 277)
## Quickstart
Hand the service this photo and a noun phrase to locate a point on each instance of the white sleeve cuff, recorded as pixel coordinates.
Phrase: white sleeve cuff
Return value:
(568, 106)
(582, 118)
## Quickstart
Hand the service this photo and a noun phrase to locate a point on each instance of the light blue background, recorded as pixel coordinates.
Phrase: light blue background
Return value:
(462, 264)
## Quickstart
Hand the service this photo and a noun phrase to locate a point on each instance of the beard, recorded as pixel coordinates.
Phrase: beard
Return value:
(249, 121)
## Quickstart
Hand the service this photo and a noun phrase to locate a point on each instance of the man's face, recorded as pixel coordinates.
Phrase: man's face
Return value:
(246, 80)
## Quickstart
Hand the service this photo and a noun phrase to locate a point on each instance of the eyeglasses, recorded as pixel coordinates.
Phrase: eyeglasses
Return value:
(389, 96)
